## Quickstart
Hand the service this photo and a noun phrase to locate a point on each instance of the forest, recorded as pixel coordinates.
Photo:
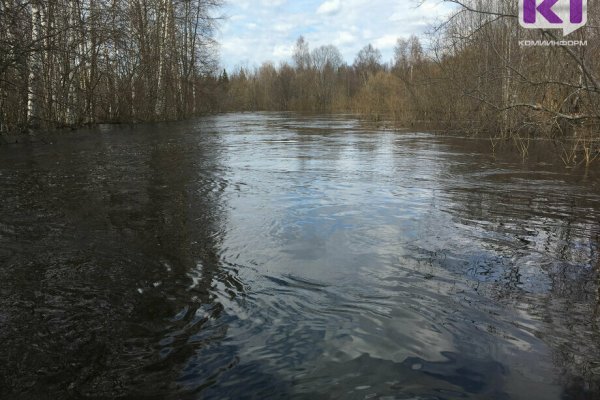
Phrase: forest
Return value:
(89, 61)
(75, 62)
(475, 76)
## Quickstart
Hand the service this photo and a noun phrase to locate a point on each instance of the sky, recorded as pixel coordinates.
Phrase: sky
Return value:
(255, 31)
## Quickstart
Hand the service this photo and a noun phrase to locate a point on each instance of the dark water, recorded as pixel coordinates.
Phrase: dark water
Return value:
(264, 256)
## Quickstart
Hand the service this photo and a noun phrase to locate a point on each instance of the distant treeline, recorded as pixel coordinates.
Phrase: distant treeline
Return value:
(477, 76)
(74, 62)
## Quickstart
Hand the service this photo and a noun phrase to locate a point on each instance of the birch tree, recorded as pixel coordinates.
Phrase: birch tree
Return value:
(74, 62)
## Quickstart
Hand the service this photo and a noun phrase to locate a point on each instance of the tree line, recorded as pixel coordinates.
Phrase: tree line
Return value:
(476, 75)
(74, 62)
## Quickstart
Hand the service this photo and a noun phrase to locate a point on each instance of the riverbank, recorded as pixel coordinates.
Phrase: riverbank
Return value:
(570, 152)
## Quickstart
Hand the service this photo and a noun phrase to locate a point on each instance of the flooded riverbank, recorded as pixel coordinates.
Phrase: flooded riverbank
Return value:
(286, 256)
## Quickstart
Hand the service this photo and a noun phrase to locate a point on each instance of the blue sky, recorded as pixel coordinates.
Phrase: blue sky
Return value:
(255, 31)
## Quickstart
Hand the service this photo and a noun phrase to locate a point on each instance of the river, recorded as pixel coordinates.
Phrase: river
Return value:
(285, 256)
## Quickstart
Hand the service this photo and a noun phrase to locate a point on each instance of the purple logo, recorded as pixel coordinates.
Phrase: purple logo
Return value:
(568, 15)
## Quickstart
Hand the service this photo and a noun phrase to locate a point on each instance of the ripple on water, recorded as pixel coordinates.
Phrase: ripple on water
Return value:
(294, 256)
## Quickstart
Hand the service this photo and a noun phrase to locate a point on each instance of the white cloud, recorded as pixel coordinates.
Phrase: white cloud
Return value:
(330, 7)
(273, 3)
(344, 38)
(385, 42)
(267, 29)
(282, 51)
(283, 27)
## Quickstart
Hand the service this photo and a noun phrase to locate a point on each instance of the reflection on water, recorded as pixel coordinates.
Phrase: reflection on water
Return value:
(273, 255)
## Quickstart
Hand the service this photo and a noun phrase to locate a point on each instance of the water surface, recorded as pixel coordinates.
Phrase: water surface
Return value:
(277, 256)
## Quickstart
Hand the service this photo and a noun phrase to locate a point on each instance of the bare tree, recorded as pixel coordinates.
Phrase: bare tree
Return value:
(67, 63)
(368, 61)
